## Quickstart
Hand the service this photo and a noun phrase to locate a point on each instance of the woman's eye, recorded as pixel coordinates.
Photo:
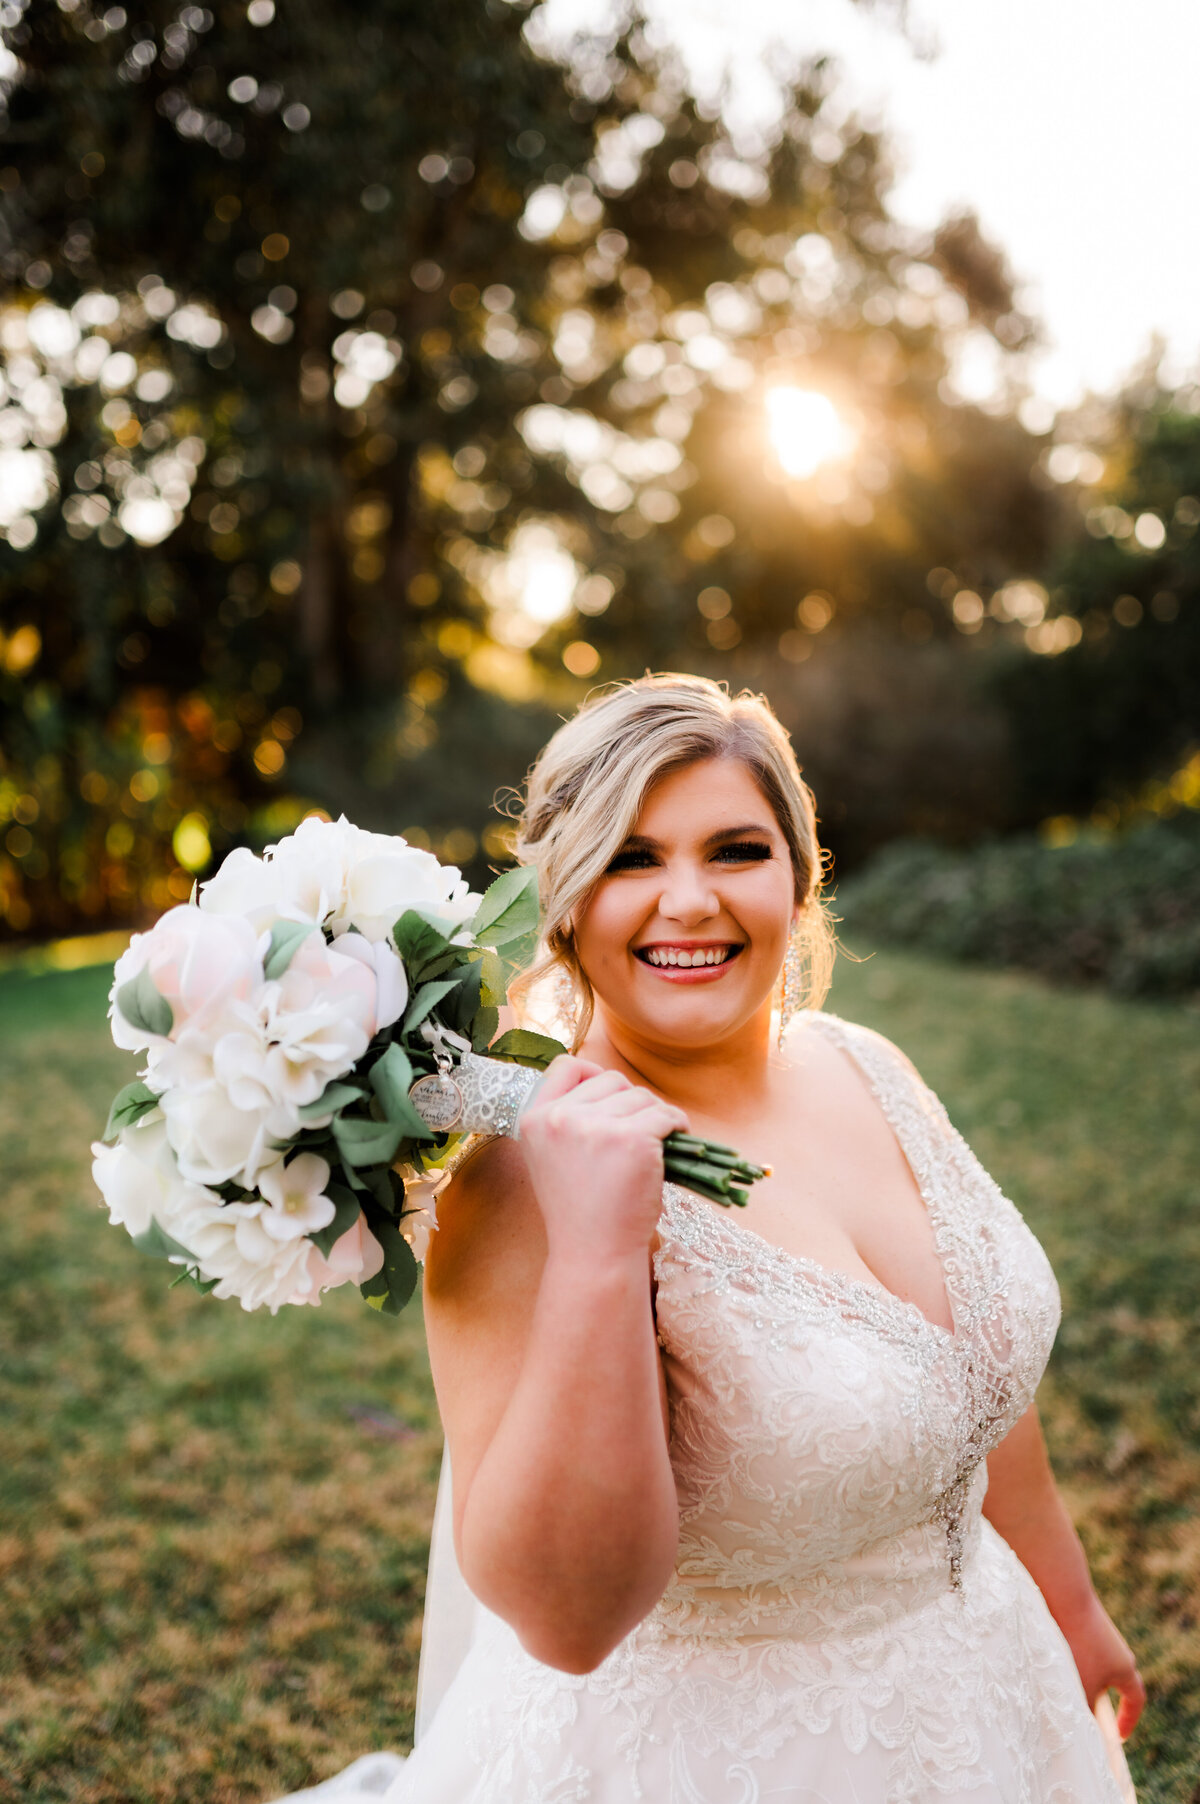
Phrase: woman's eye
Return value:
(630, 861)
(743, 851)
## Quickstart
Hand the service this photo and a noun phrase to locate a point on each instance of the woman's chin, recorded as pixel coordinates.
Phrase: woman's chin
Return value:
(688, 1014)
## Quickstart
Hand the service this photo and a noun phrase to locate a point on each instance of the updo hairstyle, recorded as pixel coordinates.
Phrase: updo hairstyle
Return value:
(587, 788)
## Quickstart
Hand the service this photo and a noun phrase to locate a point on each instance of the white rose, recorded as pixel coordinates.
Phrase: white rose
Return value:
(214, 1140)
(198, 962)
(391, 980)
(136, 1175)
(233, 1246)
(353, 1258)
(141, 1182)
(339, 874)
(243, 885)
(390, 877)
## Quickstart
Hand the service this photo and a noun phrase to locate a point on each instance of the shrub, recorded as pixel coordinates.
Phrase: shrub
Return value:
(1122, 911)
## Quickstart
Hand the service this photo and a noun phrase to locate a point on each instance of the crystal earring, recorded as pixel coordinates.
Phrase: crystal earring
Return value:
(565, 1000)
(791, 983)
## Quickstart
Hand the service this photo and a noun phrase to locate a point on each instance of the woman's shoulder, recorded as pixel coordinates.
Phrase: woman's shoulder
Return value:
(883, 1061)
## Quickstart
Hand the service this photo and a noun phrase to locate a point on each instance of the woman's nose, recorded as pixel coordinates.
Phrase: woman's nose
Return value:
(687, 895)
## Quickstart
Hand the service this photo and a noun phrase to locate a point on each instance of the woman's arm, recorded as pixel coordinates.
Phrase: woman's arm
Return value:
(545, 1359)
(1023, 1504)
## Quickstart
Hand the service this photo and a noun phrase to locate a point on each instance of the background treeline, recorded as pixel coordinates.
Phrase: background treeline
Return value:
(376, 382)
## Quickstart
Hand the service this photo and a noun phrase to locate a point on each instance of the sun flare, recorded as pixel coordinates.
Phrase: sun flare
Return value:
(805, 429)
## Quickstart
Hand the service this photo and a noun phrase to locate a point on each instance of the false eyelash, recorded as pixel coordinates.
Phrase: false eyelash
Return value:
(745, 851)
(741, 851)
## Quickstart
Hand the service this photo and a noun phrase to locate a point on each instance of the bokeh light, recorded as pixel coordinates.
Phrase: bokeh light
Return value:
(805, 429)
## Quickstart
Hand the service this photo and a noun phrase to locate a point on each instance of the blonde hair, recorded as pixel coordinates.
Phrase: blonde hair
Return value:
(586, 790)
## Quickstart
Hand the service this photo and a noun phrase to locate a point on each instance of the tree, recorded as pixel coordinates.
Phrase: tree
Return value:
(374, 375)
(1115, 705)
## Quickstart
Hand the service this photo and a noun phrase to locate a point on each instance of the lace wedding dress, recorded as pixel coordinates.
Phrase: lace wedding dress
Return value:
(843, 1626)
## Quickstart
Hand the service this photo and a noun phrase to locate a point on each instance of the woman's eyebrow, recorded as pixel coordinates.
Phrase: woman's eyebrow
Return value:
(642, 842)
(738, 833)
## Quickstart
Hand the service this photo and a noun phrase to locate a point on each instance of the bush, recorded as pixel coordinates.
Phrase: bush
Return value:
(1121, 911)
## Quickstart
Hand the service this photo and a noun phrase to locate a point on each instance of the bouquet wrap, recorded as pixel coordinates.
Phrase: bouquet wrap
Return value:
(475, 1096)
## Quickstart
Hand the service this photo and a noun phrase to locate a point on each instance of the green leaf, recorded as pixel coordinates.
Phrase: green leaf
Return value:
(143, 1007)
(367, 1142)
(348, 1209)
(424, 948)
(509, 907)
(333, 1097)
(392, 1286)
(158, 1243)
(425, 1000)
(483, 1027)
(461, 1005)
(192, 1276)
(523, 1047)
(391, 1080)
(129, 1105)
(493, 989)
(286, 937)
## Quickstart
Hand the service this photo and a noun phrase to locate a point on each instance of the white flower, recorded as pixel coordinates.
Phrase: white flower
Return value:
(232, 1244)
(343, 877)
(198, 962)
(141, 1182)
(353, 1258)
(244, 885)
(296, 1192)
(391, 979)
(134, 1177)
(213, 1141)
(234, 1088)
(419, 1222)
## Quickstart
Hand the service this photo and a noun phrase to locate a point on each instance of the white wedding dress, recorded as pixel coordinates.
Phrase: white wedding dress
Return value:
(843, 1626)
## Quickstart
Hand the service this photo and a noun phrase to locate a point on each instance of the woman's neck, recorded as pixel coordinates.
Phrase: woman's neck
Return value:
(726, 1081)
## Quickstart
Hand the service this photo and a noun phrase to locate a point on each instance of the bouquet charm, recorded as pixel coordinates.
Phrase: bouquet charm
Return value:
(320, 1026)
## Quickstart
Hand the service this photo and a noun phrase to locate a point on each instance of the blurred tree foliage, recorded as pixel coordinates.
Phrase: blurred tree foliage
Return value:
(376, 378)
(1111, 724)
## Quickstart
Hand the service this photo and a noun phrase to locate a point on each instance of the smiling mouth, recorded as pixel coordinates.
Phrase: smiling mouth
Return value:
(686, 957)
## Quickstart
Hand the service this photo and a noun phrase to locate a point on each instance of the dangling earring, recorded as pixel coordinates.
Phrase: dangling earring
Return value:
(791, 983)
(565, 1000)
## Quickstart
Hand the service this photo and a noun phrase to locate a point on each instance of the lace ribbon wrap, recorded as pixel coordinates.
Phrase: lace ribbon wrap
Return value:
(493, 1094)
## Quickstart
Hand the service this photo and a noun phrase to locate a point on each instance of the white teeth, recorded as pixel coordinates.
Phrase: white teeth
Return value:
(668, 955)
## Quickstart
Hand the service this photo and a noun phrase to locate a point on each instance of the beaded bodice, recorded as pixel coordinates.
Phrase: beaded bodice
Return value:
(827, 1438)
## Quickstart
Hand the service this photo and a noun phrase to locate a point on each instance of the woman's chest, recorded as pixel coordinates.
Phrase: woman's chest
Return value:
(843, 1193)
(794, 1382)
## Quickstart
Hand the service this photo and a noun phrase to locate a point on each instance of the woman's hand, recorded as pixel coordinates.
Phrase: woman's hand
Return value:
(593, 1148)
(1105, 1662)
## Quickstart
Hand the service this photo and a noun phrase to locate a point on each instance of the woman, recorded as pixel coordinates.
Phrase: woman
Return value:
(756, 1505)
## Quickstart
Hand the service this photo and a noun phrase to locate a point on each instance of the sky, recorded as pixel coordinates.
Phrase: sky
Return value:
(1072, 127)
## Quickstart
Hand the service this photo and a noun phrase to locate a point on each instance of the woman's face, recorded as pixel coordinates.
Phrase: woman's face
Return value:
(683, 936)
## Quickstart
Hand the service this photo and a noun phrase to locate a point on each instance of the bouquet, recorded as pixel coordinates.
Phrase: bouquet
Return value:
(320, 1030)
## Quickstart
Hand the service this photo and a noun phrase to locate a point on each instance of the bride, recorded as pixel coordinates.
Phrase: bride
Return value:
(748, 1506)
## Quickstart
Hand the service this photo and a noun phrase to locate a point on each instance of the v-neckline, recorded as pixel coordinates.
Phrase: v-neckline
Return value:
(820, 1276)
(830, 1275)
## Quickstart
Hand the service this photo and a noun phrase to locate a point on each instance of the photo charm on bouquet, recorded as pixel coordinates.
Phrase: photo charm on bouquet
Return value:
(321, 1032)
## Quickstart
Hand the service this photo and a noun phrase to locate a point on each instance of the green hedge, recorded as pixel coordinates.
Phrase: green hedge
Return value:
(1121, 911)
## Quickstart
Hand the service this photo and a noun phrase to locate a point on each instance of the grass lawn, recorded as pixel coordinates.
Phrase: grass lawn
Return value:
(213, 1525)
